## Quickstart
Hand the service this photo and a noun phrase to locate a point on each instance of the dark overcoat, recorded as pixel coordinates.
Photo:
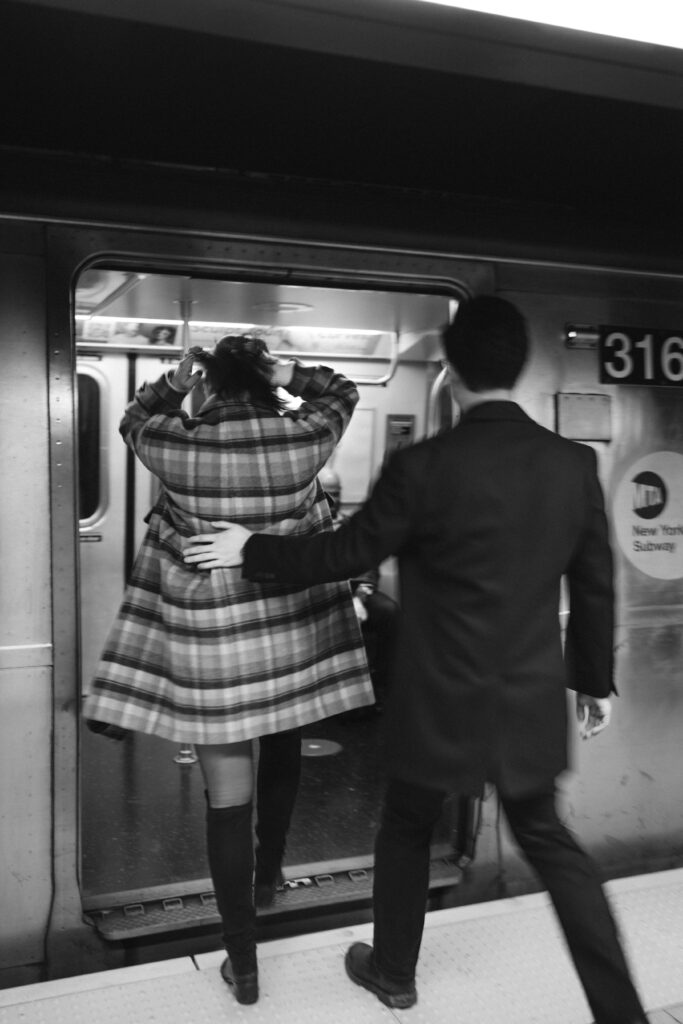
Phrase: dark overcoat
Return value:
(486, 519)
(204, 656)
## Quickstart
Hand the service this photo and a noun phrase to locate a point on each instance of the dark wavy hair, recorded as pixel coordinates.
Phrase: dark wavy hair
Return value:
(487, 343)
(240, 367)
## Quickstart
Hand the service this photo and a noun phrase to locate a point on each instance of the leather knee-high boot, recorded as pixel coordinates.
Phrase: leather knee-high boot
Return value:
(277, 783)
(230, 852)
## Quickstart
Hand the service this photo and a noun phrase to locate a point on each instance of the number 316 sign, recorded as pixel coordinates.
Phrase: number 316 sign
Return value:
(639, 355)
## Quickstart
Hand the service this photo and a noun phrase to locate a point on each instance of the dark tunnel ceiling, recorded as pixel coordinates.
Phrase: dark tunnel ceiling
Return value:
(81, 84)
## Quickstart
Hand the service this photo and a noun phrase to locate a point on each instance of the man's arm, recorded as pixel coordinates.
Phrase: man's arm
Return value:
(377, 530)
(589, 649)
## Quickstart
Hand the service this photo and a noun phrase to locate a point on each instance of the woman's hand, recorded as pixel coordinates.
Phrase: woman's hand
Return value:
(183, 379)
(281, 372)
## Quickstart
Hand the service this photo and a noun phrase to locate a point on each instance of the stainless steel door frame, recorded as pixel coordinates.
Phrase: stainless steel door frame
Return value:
(69, 251)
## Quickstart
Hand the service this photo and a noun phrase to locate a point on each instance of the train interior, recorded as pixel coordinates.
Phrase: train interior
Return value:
(143, 867)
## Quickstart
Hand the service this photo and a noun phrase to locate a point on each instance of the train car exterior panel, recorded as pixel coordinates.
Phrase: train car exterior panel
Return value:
(25, 599)
(622, 796)
(603, 817)
(624, 801)
(25, 815)
(23, 426)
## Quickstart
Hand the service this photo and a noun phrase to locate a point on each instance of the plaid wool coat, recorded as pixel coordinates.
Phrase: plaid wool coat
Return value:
(203, 656)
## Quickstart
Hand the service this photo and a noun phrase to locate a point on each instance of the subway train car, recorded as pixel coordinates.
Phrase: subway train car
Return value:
(126, 236)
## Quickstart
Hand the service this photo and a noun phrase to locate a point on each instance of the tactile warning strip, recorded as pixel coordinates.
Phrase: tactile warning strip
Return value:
(493, 963)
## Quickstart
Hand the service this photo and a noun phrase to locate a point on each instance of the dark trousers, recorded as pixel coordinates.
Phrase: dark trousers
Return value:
(402, 880)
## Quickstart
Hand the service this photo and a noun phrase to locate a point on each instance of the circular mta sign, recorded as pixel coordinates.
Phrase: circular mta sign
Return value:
(648, 515)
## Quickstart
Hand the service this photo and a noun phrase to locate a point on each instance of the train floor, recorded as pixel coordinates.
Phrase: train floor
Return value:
(501, 962)
(143, 811)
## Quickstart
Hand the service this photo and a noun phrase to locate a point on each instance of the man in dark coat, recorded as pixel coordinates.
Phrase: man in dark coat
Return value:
(485, 519)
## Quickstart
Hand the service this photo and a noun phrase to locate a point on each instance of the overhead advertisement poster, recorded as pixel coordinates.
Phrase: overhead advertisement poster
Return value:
(648, 515)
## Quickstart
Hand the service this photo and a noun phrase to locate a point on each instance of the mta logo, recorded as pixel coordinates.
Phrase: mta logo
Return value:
(649, 495)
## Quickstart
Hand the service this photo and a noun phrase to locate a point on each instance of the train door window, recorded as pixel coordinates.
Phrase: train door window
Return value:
(89, 456)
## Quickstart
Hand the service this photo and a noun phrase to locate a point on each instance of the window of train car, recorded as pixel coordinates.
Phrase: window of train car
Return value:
(89, 468)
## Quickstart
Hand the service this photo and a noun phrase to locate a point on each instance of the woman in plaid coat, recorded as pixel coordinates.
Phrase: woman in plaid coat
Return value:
(207, 658)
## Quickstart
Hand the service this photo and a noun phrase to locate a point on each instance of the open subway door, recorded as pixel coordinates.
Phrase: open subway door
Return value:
(144, 869)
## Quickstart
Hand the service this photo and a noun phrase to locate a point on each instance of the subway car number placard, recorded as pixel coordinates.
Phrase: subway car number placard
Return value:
(641, 355)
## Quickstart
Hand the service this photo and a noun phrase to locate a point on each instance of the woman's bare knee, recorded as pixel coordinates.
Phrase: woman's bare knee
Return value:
(228, 771)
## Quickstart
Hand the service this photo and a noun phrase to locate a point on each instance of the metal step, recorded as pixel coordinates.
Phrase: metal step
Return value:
(303, 895)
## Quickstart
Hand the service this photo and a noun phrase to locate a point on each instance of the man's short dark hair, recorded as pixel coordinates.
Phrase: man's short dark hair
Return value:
(487, 343)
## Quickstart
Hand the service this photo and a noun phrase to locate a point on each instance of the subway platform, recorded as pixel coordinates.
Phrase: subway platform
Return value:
(501, 962)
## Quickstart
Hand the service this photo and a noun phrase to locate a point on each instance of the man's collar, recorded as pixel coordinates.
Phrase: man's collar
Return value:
(495, 410)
